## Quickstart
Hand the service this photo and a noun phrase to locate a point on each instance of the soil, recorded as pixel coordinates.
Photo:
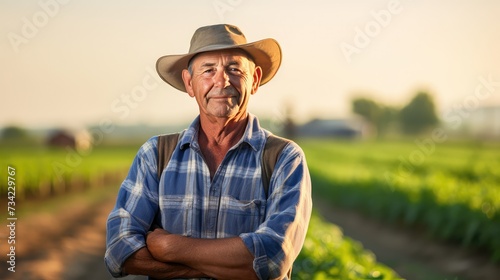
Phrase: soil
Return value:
(69, 244)
(62, 243)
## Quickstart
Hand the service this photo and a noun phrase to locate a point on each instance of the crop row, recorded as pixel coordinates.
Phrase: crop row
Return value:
(452, 192)
(42, 172)
(327, 254)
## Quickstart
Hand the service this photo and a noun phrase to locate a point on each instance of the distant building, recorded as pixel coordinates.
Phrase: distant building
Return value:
(335, 128)
(62, 139)
(75, 140)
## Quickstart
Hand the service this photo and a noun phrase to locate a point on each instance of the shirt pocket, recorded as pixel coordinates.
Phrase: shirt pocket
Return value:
(241, 216)
(177, 214)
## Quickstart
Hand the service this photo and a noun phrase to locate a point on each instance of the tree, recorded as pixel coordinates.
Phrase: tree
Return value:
(289, 126)
(418, 115)
(380, 116)
(14, 133)
(366, 108)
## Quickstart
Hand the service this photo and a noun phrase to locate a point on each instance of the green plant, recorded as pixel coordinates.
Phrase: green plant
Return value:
(327, 254)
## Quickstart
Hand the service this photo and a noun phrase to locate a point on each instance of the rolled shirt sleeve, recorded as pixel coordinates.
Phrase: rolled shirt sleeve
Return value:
(135, 209)
(278, 241)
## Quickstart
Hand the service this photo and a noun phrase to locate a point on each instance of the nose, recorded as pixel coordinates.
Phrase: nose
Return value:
(221, 79)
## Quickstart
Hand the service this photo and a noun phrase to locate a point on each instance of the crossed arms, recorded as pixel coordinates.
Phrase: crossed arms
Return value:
(175, 256)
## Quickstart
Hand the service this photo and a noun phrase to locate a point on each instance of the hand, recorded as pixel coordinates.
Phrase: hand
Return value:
(156, 242)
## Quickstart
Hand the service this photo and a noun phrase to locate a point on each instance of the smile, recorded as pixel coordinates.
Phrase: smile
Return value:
(224, 97)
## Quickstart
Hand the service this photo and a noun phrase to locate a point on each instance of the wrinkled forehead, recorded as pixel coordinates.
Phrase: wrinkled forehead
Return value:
(233, 54)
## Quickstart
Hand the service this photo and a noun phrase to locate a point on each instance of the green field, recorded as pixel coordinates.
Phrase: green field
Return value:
(54, 172)
(451, 190)
(43, 172)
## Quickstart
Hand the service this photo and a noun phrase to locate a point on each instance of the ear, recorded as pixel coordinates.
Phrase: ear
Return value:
(186, 78)
(257, 76)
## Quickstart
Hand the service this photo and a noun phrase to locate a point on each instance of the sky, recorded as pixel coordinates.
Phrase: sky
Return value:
(74, 63)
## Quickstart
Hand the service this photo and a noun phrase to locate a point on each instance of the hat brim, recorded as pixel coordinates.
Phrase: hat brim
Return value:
(266, 53)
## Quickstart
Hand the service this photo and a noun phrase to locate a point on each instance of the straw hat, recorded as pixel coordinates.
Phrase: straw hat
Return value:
(265, 53)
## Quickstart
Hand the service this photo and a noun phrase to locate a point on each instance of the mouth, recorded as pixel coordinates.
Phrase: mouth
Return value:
(221, 97)
(226, 100)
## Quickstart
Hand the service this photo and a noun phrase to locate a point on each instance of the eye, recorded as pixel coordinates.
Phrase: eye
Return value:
(234, 70)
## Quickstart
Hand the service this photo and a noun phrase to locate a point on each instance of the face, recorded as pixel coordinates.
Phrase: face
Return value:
(222, 82)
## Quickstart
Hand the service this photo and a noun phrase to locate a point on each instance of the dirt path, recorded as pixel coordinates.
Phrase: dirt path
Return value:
(66, 242)
(412, 254)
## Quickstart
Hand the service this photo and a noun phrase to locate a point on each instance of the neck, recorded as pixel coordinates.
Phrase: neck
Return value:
(222, 131)
(217, 136)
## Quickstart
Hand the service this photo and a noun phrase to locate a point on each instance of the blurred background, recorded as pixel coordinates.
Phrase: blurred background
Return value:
(395, 103)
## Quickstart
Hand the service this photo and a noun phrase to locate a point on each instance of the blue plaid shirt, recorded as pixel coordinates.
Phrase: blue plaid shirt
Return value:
(273, 226)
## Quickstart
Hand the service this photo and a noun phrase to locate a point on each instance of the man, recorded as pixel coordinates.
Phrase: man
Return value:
(216, 220)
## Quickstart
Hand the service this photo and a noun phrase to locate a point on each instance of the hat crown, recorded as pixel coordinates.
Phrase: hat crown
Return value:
(220, 35)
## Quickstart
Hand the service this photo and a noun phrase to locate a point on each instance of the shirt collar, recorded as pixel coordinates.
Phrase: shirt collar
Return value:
(254, 135)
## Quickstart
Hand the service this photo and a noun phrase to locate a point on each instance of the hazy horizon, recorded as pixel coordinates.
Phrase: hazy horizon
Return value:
(77, 63)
